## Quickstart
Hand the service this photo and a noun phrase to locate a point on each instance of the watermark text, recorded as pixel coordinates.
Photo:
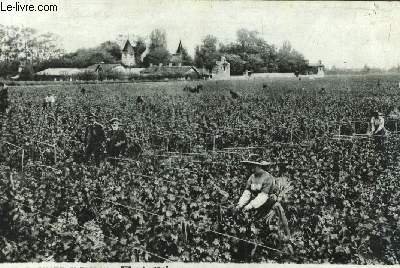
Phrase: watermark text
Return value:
(24, 7)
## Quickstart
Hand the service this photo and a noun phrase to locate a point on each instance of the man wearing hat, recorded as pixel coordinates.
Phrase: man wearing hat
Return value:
(378, 128)
(259, 186)
(377, 123)
(94, 139)
(117, 140)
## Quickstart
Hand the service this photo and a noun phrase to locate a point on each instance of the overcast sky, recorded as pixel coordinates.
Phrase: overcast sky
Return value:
(339, 33)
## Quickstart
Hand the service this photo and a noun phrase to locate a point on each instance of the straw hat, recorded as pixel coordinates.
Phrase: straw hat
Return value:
(114, 120)
(92, 115)
(256, 161)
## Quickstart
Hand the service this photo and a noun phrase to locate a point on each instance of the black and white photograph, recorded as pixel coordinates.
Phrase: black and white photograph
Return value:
(190, 133)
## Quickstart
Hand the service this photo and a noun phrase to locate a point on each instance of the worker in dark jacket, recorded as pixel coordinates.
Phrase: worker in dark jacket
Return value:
(259, 192)
(4, 102)
(116, 141)
(94, 139)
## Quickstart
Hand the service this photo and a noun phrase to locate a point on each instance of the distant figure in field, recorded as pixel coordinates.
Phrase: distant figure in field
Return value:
(394, 118)
(395, 113)
(94, 139)
(139, 100)
(4, 101)
(195, 89)
(265, 86)
(116, 139)
(234, 94)
(49, 101)
(44, 104)
(83, 90)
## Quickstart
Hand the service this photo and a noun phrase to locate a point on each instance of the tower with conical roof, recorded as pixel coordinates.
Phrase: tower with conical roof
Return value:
(180, 48)
(128, 55)
(177, 58)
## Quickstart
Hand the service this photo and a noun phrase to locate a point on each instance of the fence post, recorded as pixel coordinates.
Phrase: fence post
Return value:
(396, 125)
(167, 144)
(291, 134)
(137, 259)
(12, 182)
(213, 150)
(22, 160)
(213, 143)
(55, 154)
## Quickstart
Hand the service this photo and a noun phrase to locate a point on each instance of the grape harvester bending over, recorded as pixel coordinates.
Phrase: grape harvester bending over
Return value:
(258, 192)
(264, 193)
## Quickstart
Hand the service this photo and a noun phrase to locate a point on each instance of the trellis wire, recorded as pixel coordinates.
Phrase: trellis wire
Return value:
(49, 215)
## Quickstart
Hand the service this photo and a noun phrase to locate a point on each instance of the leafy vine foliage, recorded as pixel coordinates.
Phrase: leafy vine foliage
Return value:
(338, 203)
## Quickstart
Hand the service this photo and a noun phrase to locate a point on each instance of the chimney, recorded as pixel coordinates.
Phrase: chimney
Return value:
(160, 64)
(170, 64)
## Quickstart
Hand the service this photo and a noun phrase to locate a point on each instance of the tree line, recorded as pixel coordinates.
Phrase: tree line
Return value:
(40, 51)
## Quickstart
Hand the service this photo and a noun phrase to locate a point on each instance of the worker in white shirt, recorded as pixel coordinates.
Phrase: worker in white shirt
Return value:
(377, 124)
(51, 100)
(394, 113)
(259, 187)
(378, 129)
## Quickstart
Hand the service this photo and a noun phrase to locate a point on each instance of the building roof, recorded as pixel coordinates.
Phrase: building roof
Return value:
(315, 65)
(60, 71)
(164, 70)
(127, 46)
(203, 71)
(103, 66)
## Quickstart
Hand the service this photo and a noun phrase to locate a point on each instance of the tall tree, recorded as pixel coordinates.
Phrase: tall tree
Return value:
(290, 60)
(253, 50)
(158, 39)
(158, 52)
(206, 54)
(112, 48)
(22, 44)
(157, 56)
(140, 48)
(187, 60)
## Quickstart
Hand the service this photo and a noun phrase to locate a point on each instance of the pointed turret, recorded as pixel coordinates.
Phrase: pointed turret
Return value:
(128, 55)
(180, 48)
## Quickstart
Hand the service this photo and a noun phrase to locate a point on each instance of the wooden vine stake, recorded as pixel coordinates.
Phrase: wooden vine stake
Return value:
(55, 154)
(12, 182)
(22, 160)
(291, 134)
